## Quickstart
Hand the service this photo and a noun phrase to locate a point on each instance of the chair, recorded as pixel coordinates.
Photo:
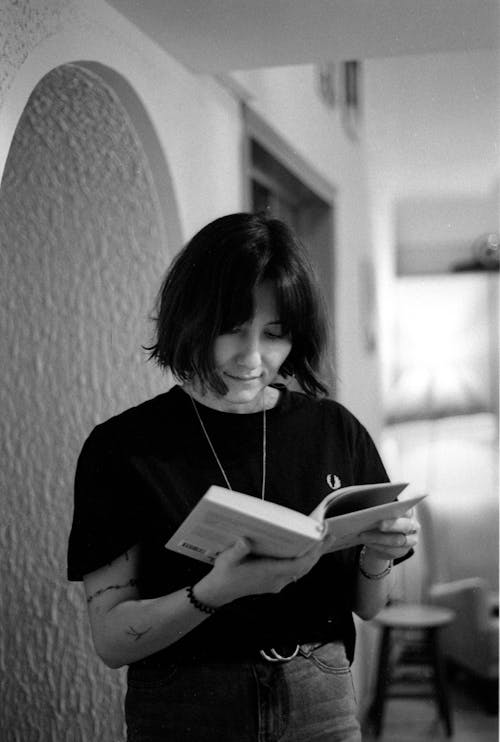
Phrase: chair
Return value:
(471, 642)
(411, 639)
(410, 662)
(451, 622)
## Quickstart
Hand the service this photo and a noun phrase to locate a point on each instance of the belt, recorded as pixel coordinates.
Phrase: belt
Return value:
(283, 652)
(286, 653)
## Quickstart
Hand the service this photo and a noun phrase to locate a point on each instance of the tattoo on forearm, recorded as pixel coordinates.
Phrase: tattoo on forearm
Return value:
(130, 583)
(137, 634)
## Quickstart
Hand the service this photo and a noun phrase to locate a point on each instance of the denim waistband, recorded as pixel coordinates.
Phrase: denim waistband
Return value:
(279, 652)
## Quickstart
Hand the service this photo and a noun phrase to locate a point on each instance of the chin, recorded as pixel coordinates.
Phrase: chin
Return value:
(242, 396)
(244, 393)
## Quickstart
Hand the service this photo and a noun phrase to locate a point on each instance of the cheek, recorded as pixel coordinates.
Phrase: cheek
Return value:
(281, 353)
(222, 351)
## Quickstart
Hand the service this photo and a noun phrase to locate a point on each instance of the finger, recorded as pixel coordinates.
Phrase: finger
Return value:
(300, 566)
(389, 554)
(400, 525)
(408, 515)
(313, 555)
(390, 551)
(235, 553)
(327, 542)
(315, 552)
(390, 540)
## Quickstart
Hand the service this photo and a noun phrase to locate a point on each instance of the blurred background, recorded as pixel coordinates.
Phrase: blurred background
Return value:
(372, 128)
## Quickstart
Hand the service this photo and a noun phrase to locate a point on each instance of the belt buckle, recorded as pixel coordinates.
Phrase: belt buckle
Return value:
(275, 656)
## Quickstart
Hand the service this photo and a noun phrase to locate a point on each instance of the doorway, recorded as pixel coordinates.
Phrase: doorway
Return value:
(280, 182)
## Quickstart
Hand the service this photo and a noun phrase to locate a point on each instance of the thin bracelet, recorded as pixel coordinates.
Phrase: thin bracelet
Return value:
(370, 575)
(197, 603)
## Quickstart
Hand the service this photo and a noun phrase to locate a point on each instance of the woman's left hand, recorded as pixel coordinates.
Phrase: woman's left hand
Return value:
(394, 538)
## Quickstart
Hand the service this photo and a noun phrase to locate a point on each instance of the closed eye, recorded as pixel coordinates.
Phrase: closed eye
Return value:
(232, 331)
(276, 334)
(275, 330)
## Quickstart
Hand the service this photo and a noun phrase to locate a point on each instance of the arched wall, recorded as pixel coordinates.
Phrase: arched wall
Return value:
(85, 233)
(53, 335)
(196, 120)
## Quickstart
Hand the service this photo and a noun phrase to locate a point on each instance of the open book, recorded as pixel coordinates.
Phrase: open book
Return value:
(222, 516)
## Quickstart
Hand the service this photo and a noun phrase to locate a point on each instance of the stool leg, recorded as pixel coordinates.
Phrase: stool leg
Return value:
(440, 681)
(383, 679)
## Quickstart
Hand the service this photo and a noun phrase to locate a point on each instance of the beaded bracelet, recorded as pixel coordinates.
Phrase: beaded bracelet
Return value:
(197, 603)
(369, 575)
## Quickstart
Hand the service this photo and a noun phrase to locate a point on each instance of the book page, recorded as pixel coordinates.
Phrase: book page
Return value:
(357, 497)
(343, 531)
(222, 516)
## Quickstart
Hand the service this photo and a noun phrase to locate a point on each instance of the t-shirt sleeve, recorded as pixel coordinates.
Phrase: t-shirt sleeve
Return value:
(107, 515)
(368, 465)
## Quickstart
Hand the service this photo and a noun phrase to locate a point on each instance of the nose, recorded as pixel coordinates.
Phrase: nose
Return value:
(249, 354)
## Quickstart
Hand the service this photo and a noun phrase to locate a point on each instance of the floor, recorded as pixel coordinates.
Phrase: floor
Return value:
(417, 720)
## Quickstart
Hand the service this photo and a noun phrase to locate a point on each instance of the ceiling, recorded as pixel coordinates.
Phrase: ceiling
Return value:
(220, 35)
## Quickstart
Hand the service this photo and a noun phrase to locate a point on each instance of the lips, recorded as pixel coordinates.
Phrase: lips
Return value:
(243, 378)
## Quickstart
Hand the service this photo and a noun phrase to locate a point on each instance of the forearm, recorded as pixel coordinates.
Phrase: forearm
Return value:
(372, 593)
(391, 539)
(134, 629)
(126, 628)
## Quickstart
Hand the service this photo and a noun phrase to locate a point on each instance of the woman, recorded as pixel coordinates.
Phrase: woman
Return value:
(251, 647)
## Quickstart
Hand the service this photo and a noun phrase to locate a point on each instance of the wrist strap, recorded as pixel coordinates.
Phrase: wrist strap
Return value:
(370, 575)
(203, 607)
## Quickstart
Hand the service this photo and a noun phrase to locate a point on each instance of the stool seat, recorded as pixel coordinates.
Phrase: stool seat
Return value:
(406, 621)
(414, 616)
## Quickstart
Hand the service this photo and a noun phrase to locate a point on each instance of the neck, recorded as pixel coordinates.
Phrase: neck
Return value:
(222, 470)
(265, 400)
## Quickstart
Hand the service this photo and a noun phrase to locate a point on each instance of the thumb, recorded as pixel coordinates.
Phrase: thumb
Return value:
(238, 550)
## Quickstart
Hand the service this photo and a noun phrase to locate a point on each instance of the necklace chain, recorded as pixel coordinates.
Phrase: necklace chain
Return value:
(212, 448)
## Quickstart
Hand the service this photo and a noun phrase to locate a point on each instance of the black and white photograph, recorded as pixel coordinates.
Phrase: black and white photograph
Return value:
(249, 370)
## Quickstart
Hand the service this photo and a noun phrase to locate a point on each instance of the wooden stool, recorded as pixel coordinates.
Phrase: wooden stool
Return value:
(411, 618)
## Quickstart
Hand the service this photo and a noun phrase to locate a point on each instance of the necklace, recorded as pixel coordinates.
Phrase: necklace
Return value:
(264, 448)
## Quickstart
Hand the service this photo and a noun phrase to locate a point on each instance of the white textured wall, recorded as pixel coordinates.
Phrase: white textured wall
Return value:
(80, 257)
(81, 251)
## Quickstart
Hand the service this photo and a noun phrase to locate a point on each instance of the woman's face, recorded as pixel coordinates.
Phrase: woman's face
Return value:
(248, 358)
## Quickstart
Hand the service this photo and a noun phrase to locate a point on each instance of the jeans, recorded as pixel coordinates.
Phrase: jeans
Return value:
(309, 699)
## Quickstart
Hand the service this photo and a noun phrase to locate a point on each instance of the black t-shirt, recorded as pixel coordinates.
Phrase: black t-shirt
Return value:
(140, 473)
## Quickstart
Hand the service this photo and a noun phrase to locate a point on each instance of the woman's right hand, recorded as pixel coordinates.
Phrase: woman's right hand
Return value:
(238, 572)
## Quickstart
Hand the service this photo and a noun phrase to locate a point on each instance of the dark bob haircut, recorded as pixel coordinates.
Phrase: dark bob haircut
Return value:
(208, 290)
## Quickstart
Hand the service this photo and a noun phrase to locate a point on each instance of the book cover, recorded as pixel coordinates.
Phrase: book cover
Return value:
(222, 516)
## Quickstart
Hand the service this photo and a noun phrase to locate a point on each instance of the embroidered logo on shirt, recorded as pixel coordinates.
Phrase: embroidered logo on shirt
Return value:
(333, 481)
